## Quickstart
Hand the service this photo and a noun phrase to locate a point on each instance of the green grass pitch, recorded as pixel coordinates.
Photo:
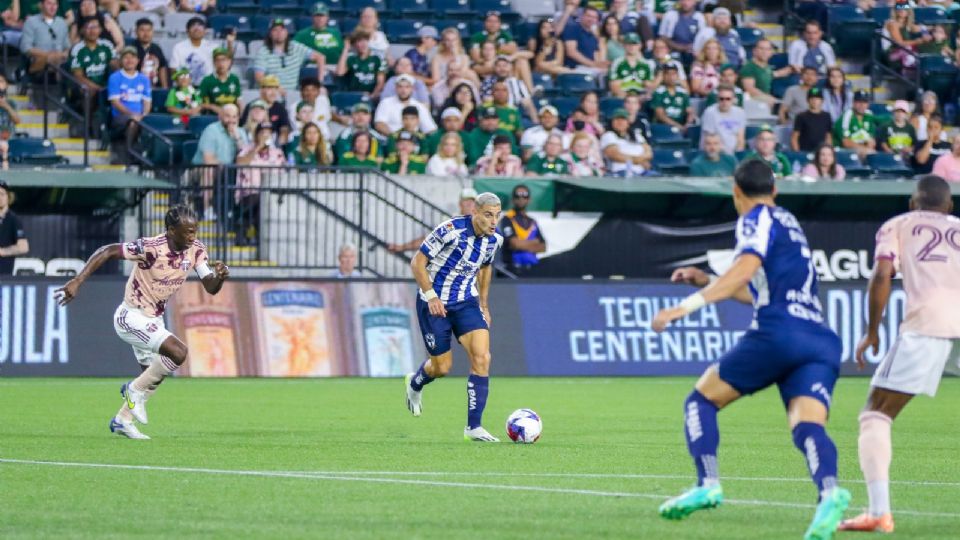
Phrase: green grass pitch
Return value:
(333, 459)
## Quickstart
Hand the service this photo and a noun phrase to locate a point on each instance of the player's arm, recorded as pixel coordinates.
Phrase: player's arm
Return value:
(419, 267)
(213, 278)
(484, 277)
(691, 275)
(878, 294)
(109, 252)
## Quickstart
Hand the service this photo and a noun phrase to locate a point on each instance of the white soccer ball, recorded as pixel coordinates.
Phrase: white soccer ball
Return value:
(524, 426)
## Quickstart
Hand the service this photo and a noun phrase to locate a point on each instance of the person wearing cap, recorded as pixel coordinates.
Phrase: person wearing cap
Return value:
(935, 145)
(522, 237)
(451, 121)
(501, 161)
(632, 72)
(811, 51)
(322, 37)
(582, 45)
(626, 152)
(756, 76)
(812, 127)
(856, 128)
(549, 161)
(405, 160)
(898, 136)
(318, 102)
(194, 53)
(728, 76)
(509, 115)
(421, 55)
(183, 99)
(712, 162)
(405, 67)
(722, 30)
(360, 122)
(253, 115)
(479, 141)
(153, 63)
(765, 149)
(518, 93)
(680, 27)
(671, 102)
(534, 137)
(410, 123)
(277, 114)
(222, 86)
(363, 70)
(13, 238)
(92, 59)
(795, 98)
(726, 119)
(494, 32)
(388, 117)
(46, 37)
(129, 94)
(283, 57)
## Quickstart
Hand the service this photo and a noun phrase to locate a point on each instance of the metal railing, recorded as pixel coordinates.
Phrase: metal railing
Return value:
(879, 69)
(61, 103)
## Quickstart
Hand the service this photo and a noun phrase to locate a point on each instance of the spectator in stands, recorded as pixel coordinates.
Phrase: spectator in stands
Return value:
(680, 27)
(902, 30)
(194, 53)
(727, 120)
(713, 161)
(277, 116)
(765, 148)
(756, 76)
(501, 161)
(795, 98)
(611, 40)
(589, 113)
(518, 94)
(812, 128)
(347, 262)
(824, 165)
(222, 86)
(8, 122)
(322, 38)
(935, 145)
(811, 51)
(451, 122)
(487, 63)
(11, 21)
(582, 44)
(947, 166)
(626, 152)
(253, 115)
(283, 57)
(46, 39)
(364, 71)
(129, 94)
(570, 12)
(87, 9)
(153, 63)
(582, 158)
(410, 123)
(218, 145)
(663, 57)
(939, 42)
(13, 238)
(549, 161)
(160, 7)
(448, 160)
(728, 76)
(837, 97)
(390, 110)
(632, 72)
(262, 152)
(898, 136)
(405, 67)
(90, 62)
(929, 106)
(671, 103)
(631, 21)
(638, 119)
(311, 95)
(361, 152)
(727, 37)
(479, 141)
(310, 148)
(449, 52)
(548, 50)
(405, 160)
(360, 123)
(509, 115)
(856, 129)
(370, 23)
(705, 70)
(493, 31)
(183, 99)
(522, 237)
(207, 7)
(534, 137)
(421, 54)
(464, 98)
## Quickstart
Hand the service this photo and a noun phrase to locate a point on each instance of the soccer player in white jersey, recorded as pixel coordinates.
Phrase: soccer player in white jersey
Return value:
(924, 245)
(163, 264)
(453, 269)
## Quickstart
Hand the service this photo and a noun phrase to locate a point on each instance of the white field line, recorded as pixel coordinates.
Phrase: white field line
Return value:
(379, 480)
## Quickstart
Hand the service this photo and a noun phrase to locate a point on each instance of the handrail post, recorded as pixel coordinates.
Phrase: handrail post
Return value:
(43, 98)
(360, 250)
(873, 61)
(86, 126)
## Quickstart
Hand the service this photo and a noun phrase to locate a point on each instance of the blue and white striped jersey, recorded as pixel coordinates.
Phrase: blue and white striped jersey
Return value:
(784, 289)
(456, 254)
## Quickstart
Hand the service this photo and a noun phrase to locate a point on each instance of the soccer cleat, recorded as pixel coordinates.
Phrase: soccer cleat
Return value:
(136, 402)
(478, 434)
(413, 397)
(688, 502)
(128, 430)
(829, 513)
(867, 523)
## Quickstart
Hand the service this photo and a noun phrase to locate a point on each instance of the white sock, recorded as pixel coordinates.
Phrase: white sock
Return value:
(879, 492)
(124, 414)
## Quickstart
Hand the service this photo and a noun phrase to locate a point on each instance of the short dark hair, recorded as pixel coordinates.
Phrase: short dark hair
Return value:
(518, 187)
(178, 214)
(309, 81)
(812, 22)
(410, 110)
(144, 21)
(754, 177)
(195, 21)
(932, 192)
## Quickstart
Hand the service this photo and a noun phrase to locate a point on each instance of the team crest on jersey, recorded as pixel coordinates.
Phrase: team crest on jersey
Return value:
(184, 265)
(431, 341)
(152, 327)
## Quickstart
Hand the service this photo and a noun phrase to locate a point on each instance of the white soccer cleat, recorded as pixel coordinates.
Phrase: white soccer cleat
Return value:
(128, 429)
(478, 434)
(136, 402)
(413, 397)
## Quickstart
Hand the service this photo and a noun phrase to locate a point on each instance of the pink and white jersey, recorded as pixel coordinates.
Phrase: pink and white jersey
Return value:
(160, 271)
(925, 248)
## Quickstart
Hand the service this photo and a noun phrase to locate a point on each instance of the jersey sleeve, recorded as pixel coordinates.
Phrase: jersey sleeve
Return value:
(754, 232)
(888, 242)
(201, 260)
(134, 251)
(492, 255)
(434, 243)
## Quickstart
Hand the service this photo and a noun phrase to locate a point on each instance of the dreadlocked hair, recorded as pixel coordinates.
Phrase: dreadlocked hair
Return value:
(176, 214)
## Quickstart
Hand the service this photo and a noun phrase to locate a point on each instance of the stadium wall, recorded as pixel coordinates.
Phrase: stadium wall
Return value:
(322, 328)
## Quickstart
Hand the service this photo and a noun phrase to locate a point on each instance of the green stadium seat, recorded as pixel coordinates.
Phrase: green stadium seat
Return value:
(694, 134)
(412, 9)
(853, 39)
(199, 123)
(281, 7)
(851, 164)
(799, 157)
(576, 83)
(402, 30)
(670, 161)
(238, 7)
(931, 15)
(888, 166)
(344, 101)
(221, 21)
(749, 36)
(354, 7)
(779, 61)
(667, 136)
(449, 8)
(779, 85)
(609, 104)
(34, 151)
(163, 122)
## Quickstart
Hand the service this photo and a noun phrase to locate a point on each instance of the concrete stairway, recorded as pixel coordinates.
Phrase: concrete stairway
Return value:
(31, 123)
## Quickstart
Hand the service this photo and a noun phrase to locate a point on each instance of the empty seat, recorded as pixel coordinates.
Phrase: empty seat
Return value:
(609, 104)
(670, 161)
(402, 30)
(667, 136)
(176, 23)
(749, 36)
(412, 8)
(220, 22)
(199, 123)
(128, 20)
(888, 165)
(851, 164)
(344, 101)
(281, 7)
(453, 7)
(34, 151)
(576, 83)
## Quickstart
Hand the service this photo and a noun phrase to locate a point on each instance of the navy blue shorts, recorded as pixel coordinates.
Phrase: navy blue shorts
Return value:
(462, 318)
(802, 362)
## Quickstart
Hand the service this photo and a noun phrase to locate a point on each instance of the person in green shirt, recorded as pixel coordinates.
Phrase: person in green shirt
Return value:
(92, 59)
(856, 128)
(478, 141)
(359, 122)
(494, 32)
(451, 121)
(509, 115)
(359, 154)
(671, 103)
(322, 37)
(183, 98)
(410, 120)
(756, 76)
(632, 72)
(220, 87)
(765, 148)
(309, 147)
(899, 136)
(712, 162)
(728, 77)
(548, 162)
(405, 160)
(365, 71)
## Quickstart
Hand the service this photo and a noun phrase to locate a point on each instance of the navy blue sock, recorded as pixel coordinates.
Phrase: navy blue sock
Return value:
(420, 378)
(821, 454)
(703, 436)
(477, 388)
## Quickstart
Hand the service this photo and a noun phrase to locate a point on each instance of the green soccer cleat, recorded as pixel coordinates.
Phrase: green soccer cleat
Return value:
(828, 516)
(696, 498)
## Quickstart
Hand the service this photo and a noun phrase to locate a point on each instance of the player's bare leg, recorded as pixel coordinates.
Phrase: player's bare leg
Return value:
(173, 353)
(477, 345)
(434, 368)
(876, 453)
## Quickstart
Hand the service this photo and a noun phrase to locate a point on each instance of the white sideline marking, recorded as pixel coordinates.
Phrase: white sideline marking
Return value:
(373, 479)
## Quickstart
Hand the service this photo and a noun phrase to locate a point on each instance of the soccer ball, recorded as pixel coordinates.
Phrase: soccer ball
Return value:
(524, 426)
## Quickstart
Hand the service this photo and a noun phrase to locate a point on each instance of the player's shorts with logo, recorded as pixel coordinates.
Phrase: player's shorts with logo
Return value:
(145, 334)
(462, 318)
(801, 361)
(915, 364)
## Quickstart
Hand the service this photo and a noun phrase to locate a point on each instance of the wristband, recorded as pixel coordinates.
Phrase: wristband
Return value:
(692, 303)
(429, 295)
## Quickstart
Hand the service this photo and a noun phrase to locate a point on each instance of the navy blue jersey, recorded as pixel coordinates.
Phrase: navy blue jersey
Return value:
(784, 289)
(456, 254)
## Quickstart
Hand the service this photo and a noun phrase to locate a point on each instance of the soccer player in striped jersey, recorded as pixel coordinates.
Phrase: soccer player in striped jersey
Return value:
(163, 264)
(453, 269)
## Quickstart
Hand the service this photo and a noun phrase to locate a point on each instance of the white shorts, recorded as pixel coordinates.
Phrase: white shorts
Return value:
(915, 364)
(145, 334)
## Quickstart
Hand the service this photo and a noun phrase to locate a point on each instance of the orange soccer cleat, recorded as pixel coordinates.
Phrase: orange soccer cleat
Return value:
(867, 523)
